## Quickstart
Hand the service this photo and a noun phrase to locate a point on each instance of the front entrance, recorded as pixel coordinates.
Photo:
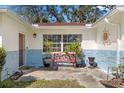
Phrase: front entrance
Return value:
(21, 49)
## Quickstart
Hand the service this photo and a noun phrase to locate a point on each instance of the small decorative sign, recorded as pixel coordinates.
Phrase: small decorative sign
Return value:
(105, 37)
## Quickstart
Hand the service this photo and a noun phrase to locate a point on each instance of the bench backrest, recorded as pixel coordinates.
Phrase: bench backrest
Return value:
(64, 57)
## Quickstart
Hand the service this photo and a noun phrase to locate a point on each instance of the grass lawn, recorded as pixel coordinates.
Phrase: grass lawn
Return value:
(42, 84)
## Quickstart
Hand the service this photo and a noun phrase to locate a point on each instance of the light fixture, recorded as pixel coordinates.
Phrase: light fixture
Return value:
(34, 35)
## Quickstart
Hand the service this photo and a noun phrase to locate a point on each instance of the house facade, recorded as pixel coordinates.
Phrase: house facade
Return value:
(24, 42)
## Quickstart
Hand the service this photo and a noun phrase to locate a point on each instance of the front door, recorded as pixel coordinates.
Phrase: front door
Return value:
(21, 49)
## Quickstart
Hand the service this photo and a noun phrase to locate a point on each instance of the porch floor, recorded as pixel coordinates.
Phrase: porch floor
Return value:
(85, 76)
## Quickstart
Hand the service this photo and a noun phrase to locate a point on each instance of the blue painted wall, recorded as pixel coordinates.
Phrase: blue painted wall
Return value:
(122, 57)
(34, 57)
(104, 58)
(11, 65)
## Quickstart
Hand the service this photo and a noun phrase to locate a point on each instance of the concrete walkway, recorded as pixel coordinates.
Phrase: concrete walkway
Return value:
(85, 76)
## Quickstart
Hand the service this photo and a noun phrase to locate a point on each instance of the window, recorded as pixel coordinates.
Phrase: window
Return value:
(70, 38)
(58, 43)
(51, 43)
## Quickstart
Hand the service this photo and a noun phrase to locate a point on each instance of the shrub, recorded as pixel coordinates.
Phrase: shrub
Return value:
(118, 71)
(7, 84)
(2, 59)
(75, 47)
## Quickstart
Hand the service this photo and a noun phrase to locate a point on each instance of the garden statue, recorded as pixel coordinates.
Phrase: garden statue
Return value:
(92, 62)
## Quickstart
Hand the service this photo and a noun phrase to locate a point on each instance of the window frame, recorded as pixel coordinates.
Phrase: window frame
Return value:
(62, 41)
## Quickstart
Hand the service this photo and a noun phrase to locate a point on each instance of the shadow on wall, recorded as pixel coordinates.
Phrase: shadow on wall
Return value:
(11, 65)
(34, 57)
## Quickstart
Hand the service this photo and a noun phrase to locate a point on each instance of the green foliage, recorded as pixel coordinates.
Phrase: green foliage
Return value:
(118, 71)
(7, 84)
(55, 84)
(121, 68)
(61, 13)
(47, 45)
(74, 47)
(2, 59)
(114, 69)
(40, 84)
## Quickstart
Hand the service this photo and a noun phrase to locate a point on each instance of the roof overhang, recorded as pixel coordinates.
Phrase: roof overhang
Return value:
(116, 10)
(64, 25)
(16, 17)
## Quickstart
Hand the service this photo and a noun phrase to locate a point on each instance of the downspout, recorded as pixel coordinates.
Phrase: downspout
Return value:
(118, 40)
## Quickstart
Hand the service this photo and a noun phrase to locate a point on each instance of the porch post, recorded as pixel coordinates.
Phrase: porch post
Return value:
(118, 40)
(118, 45)
(61, 43)
(118, 52)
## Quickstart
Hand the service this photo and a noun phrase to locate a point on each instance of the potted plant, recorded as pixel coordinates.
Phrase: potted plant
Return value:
(75, 47)
(92, 62)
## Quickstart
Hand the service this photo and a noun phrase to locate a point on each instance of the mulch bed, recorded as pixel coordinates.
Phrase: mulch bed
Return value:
(113, 83)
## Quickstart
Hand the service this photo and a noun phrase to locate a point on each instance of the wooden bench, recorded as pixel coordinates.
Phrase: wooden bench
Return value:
(63, 57)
